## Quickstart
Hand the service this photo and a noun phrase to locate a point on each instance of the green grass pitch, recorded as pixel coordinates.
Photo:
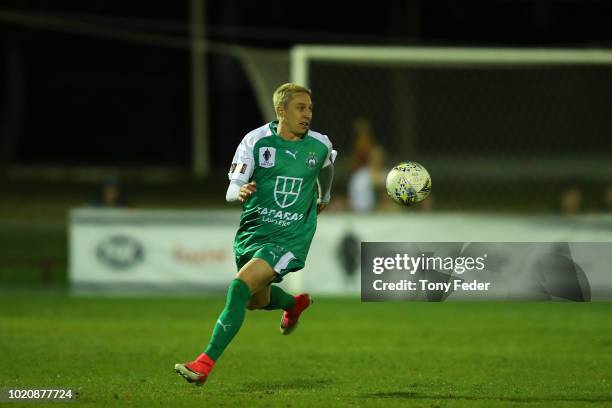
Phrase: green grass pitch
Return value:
(345, 353)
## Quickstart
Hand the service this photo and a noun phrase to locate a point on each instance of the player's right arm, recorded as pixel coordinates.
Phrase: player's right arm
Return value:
(240, 173)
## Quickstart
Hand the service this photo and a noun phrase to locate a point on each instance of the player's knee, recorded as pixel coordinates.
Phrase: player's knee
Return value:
(251, 305)
(255, 304)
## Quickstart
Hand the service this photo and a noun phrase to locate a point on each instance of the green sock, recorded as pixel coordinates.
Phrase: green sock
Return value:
(230, 319)
(279, 299)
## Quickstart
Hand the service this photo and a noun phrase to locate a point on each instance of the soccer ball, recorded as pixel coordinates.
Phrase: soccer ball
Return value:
(408, 183)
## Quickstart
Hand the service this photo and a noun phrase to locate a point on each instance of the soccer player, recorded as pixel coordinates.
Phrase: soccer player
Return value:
(282, 173)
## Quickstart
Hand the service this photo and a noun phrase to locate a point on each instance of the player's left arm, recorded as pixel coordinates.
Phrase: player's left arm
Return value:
(324, 181)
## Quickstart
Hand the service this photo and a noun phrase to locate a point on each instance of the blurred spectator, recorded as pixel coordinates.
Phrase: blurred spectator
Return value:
(110, 195)
(364, 142)
(571, 200)
(366, 188)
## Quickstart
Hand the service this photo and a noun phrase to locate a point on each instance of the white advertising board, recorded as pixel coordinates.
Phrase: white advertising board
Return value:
(157, 251)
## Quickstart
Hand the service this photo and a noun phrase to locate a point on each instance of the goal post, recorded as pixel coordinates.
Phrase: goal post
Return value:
(450, 56)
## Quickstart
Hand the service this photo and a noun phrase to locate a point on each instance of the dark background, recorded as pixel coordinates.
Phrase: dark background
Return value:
(77, 99)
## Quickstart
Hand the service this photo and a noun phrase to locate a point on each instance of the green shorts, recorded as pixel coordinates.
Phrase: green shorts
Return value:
(280, 259)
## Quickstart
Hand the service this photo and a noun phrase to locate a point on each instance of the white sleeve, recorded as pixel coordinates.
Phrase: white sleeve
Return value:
(331, 158)
(331, 153)
(243, 162)
(233, 190)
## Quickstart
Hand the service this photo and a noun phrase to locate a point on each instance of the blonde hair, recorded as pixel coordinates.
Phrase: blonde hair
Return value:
(285, 92)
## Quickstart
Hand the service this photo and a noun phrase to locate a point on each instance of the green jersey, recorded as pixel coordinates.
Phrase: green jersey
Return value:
(283, 210)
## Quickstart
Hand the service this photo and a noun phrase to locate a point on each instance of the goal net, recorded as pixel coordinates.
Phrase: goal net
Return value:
(468, 113)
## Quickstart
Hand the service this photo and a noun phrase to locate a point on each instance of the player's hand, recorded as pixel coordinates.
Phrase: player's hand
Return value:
(246, 190)
(321, 206)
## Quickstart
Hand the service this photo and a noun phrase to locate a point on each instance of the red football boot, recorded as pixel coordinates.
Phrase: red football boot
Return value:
(197, 371)
(289, 321)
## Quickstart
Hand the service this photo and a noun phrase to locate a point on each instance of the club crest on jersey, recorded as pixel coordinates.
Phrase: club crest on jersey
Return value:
(267, 156)
(287, 190)
(311, 160)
